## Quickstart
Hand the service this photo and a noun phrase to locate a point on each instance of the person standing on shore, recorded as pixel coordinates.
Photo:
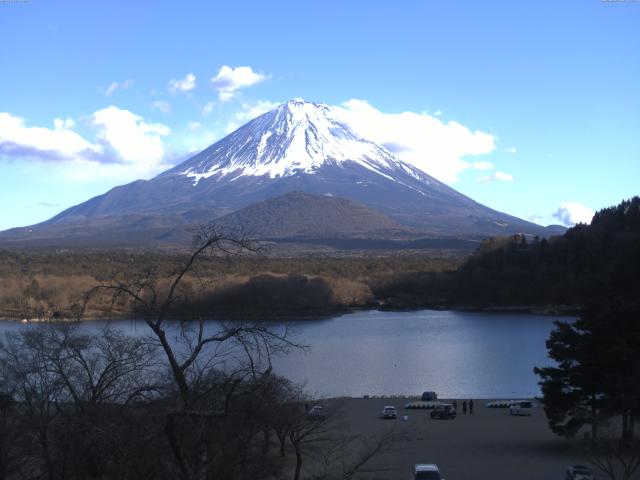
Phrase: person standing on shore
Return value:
(464, 407)
(471, 407)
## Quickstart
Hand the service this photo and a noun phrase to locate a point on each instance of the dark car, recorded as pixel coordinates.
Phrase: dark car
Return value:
(443, 411)
(429, 396)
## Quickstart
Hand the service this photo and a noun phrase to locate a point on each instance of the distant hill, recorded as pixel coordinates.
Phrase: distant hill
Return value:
(302, 215)
(300, 221)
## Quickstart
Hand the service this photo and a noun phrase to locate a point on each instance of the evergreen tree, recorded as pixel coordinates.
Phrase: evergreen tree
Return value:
(597, 375)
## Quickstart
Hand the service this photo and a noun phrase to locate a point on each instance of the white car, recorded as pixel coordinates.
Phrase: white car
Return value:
(317, 412)
(389, 412)
(521, 408)
(426, 471)
(579, 472)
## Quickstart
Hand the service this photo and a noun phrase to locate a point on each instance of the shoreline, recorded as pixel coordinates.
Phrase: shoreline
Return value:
(542, 310)
(545, 310)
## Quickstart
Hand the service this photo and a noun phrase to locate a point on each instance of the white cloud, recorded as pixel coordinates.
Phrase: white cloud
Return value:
(512, 150)
(499, 176)
(161, 105)
(208, 108)
(437, 113)
(121, 147)
(229, 80)
(118, 86)
(249, 112)
(426, 142)
(482, 165)
(535, 218)
(132, 139)
(570, 213)
(232, 126)
(193, 125)
(187, 84)
(17, 140)
(63, 124)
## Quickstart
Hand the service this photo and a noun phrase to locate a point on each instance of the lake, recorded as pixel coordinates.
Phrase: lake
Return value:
(457, 354)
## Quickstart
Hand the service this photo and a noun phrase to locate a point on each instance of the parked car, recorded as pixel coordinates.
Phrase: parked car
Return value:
(579, 472)
(426, 471)
(389, 412)
(317, 412)
(429, 396)
(521, 408)
(443, 411)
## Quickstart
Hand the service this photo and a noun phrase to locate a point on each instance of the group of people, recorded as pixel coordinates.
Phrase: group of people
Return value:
(465, 404)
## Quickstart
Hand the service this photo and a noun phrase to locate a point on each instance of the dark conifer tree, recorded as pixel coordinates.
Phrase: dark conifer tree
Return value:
(598, 370)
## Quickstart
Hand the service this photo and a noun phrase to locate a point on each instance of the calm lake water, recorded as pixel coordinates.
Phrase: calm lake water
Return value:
(457, 354)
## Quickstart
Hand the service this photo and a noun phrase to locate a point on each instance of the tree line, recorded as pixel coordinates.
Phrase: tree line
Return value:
(52, 284)
(595, 383)
(588, 262)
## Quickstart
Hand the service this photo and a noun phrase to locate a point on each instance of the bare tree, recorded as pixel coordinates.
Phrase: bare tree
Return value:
(308, 431)
(332, 452)
(154, 300)
(11, 438)
(617, 459)
(350, 456)
(38, 391)
(107, 368)
(72, 392)
(195, 354)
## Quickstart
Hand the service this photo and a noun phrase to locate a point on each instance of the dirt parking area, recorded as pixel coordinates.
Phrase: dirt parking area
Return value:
(488, 445)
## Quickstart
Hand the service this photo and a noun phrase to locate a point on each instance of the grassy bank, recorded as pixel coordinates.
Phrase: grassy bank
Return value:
(54, 284)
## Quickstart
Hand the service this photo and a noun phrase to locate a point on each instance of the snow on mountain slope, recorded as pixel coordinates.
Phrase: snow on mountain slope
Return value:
(296, 137)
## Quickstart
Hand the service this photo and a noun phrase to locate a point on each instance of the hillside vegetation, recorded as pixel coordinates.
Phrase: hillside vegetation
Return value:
(42, 285)
(587, 263)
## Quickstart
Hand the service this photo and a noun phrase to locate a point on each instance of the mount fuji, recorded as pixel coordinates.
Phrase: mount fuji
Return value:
(297, 147)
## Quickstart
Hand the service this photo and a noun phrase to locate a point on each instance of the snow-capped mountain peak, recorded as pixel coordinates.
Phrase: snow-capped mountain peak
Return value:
(296, 137)
(297, 147)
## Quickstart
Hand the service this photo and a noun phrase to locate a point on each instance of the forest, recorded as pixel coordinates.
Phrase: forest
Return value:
(587, 263)
(53, 284)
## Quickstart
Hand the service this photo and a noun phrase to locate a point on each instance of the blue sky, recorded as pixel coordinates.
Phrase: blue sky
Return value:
(532, 108)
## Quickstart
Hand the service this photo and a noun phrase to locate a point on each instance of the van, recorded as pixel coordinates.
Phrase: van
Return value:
(429, 396)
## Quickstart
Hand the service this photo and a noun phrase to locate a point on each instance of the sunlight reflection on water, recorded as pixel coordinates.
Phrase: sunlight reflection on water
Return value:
(457, 354)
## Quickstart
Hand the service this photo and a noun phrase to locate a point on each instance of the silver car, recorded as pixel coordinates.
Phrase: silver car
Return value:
(426, 471)
(389, 412)
(521, 408)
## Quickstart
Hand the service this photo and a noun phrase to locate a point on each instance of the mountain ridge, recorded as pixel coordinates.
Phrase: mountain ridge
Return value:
(299, 146)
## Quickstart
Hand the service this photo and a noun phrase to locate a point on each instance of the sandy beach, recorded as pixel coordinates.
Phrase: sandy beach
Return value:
(490, 444)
